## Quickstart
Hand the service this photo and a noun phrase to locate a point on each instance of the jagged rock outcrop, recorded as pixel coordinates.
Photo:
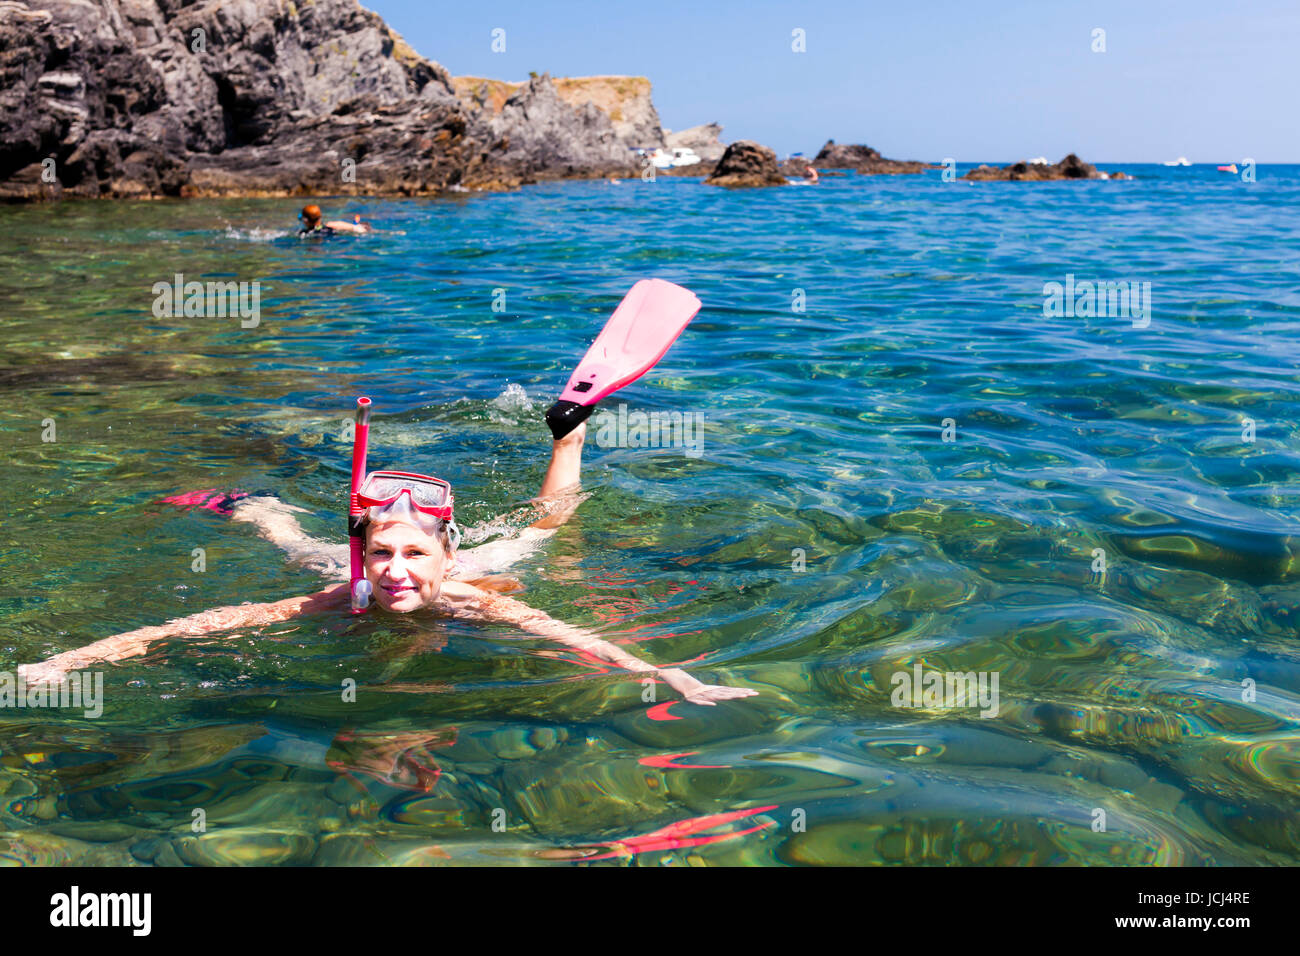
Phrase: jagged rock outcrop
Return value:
(703, 139)
(625, 100)
(1072, 167)
(536, 134)
(836, 156)
(746, 163)
(144, 98)
(150, 98)
(865, 160)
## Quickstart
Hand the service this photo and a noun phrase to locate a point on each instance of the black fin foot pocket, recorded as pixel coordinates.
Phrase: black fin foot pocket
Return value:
(563, 417)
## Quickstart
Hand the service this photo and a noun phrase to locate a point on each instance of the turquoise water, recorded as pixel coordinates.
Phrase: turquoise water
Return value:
(1125, 695)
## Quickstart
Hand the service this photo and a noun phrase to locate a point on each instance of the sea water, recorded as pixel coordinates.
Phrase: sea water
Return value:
(916, 463)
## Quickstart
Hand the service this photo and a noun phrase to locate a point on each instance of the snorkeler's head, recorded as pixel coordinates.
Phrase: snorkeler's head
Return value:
(408, 552)
(310, 214)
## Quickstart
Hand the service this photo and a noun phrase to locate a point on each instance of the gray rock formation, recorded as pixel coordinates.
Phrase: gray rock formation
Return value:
(703, 139)
(625, 100)
(746, 163)
(537, 134)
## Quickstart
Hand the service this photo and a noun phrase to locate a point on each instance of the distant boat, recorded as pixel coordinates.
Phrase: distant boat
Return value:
(685, 156)
(1180, 161)
(1039, 161)
(678, 156)
(1230, 168)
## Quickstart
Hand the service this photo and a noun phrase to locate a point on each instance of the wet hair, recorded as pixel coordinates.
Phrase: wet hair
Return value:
(311, 213)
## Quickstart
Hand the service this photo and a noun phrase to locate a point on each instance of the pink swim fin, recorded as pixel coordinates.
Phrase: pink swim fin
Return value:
(644, 325)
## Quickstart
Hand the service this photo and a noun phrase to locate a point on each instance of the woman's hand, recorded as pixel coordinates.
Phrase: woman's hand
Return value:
(709, 694)
(697, 692)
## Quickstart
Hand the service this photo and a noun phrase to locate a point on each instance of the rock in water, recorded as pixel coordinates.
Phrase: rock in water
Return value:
(795, 166)
(835, 156)
(1072, 167)
(746, 163)
(865, 160)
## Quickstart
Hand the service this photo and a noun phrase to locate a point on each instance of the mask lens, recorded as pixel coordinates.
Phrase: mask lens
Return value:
(401, 510)
(428, 494)
(382, 488)
(423, 493)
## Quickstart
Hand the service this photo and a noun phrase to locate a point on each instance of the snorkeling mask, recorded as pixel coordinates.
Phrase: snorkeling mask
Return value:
(421, 500)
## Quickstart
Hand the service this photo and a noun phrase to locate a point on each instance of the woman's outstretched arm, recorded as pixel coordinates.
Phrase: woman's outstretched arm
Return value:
(121, 646)
(498, 607)
(275, 521)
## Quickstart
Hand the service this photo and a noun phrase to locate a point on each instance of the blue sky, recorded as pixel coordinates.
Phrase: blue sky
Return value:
(1216, 82)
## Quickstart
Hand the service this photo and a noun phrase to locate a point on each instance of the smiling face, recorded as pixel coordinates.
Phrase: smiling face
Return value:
(404, 565)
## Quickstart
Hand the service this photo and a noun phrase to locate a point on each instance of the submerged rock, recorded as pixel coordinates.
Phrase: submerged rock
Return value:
(246, 846)
(1072, 167)
(746, 163)
(893, 167)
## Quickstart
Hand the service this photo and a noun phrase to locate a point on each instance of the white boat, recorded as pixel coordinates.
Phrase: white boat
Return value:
(678, 156)
(684, 156)
(1180, 161)
(1039, 161)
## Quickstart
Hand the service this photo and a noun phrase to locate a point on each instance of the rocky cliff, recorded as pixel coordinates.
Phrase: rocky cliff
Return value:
(624, 99)
(138, 98)
(566, 126)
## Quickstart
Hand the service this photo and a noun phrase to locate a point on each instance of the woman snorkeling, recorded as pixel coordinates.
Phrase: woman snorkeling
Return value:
(405, 555)
(313, 224)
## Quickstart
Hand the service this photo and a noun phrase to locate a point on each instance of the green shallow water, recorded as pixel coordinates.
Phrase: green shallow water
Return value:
(1164, 693)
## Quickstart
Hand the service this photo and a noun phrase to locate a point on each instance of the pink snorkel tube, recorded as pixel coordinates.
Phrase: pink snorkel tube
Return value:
(360, 588)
